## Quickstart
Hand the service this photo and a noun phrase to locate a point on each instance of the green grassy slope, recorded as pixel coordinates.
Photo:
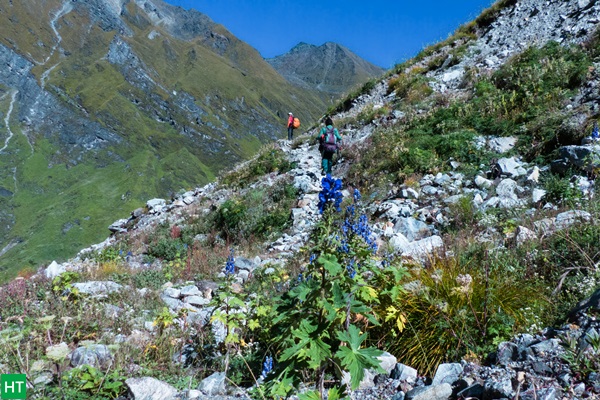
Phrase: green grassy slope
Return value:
(56, 197)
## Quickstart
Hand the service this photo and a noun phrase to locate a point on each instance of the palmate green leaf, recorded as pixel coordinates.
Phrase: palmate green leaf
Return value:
(331, 264)
(339, 297)
(235, 302)
(355, 359)
(312, 395)
(336, 394)
(303, 290)
(309, 346)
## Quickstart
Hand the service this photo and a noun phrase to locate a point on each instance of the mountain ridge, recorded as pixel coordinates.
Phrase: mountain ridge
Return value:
(330, 68)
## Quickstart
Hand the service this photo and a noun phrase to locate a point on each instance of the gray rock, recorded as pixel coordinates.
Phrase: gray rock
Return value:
(475, 391)
(245, 264)
(546, 347)
(424, 247)
(541, 394)
(453, 199)
(172, 293)
(95, 288)
(156, 205)
(453, 75)
(447, 373)
(43, 378)
(534, 176)
(511, 167)
(388, 362)
(399, 242)
(576, 155)
(96, 355)
(499, 387)
(410, 193)
(404, 373)
(197, 301)
(429, 190)
(412, 228)
(507, 189)
(442, 179)
(502, 144)
(368, 381)
(213, 385)
(188, 200)
(432, 392)
(147, 388)
(173, 304)
(483, 183)
(118, 226)
(112, 311)
(54, 270)
(190, 290)
(537, 195)
(305, 184)
(568, 218)
(244, 275)
(524, 235)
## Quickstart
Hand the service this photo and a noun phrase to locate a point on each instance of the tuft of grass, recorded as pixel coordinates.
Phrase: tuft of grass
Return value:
(454, 308)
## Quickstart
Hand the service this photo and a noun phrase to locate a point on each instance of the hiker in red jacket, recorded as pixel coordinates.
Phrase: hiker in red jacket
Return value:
(290, 126)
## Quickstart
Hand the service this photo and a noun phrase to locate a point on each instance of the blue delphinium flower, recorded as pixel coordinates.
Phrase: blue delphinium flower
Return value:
(331, 192)
(356, 195)
(360, 228)
(230, 265)
(351, 268)
(595, 133)
(267, 367)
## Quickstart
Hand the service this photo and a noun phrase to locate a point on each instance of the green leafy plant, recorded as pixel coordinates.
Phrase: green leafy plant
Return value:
(93, 381)
(62, 285)
(320, 318)
(582, 355)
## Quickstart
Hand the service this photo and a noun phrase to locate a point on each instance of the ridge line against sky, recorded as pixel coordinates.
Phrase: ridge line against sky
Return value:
(382, 32)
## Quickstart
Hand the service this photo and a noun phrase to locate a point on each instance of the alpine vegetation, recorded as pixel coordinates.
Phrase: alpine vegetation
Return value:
(452, 253)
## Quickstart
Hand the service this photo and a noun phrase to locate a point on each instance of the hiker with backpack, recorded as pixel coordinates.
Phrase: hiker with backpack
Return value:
(330, 142)
(293, 123)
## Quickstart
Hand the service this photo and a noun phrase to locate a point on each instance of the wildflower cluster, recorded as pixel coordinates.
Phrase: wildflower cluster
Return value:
(267, 367)
(358, 228)
(356, 234)
(230, 264)
(331, 193)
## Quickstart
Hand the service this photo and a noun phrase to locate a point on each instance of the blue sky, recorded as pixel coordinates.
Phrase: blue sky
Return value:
(383, 32)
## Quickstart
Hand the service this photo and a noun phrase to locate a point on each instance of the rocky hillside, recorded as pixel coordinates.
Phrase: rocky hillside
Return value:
(330, 68)
(452, 255)
(104, 104)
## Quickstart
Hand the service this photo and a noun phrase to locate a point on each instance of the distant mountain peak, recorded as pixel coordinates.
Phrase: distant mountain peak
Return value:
(330, 68)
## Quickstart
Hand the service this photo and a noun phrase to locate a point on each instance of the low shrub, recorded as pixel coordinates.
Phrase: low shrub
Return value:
(270, 159)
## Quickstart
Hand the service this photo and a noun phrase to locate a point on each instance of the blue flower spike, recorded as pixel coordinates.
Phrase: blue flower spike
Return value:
(267, 367)
(331, 193)
(230, 265)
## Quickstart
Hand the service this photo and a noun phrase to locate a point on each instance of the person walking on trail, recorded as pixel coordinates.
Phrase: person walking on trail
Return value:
(290, 126)
(330, 142)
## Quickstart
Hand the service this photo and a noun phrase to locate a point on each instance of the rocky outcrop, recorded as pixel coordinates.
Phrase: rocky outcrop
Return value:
(519, 26)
